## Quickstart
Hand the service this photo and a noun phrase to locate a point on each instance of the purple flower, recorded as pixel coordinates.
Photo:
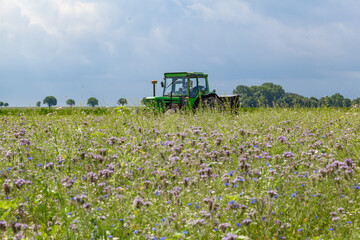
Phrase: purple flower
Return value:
(224, 226)
(333, 214)
(19, 182)
(341, 210)
(2, 225)
(138, 202)
(230, 236)
(288, 154)
(246, 222)
(86, 205)
(272, 193)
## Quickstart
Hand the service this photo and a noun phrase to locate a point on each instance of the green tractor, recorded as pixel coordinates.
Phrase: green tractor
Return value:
(188, 90)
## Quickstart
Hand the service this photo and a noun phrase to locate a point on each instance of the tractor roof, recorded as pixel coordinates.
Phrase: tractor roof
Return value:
(185, 74)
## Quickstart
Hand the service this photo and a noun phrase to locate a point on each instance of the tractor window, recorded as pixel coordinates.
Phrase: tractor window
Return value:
(175, 85)
(193, 87)
(197, 85)
(202, 85)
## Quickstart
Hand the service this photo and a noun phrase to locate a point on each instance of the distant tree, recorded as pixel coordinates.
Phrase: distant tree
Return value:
(243, 91)
(70, 102)
(38, 103)
(292, 100)
(336, 100)
(122, 101)
(246, 95)
(356, 102)
(325, 102)
(271, 92)
(255, 96)
(6, 104)
(1, 104)
(50, 101)
(346, 102)
(314, 102)
(92, 102)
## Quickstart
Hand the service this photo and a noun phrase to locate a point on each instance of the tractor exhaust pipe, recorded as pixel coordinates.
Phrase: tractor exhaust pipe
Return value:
(154, 82)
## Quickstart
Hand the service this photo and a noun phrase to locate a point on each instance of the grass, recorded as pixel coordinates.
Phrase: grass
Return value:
(120, 173)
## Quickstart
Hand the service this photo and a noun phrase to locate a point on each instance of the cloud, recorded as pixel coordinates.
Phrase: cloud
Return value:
(228, 11)
(52, 23)
(275, 35)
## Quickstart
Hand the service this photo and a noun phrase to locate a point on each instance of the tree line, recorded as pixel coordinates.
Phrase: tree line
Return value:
(2, 104)
(273, 95)
(92, 102)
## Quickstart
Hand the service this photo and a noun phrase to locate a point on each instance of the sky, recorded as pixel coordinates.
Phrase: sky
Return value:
(111, 49)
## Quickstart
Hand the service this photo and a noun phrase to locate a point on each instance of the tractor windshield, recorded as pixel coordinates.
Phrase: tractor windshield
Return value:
(177, 86)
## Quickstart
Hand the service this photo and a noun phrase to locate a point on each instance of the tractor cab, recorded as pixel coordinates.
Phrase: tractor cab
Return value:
(180, 90)
(184, 84)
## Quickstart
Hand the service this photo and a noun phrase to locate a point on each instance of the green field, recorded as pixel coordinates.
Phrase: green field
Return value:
(125, 173)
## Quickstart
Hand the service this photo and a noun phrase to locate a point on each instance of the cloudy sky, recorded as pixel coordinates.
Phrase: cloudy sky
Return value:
(114, 48)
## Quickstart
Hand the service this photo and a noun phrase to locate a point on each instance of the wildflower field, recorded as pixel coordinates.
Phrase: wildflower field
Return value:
(130, 174)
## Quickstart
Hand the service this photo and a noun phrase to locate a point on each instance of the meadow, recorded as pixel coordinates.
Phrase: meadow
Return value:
(123, 173)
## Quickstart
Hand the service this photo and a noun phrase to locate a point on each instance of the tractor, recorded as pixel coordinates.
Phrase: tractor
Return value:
(188, 90)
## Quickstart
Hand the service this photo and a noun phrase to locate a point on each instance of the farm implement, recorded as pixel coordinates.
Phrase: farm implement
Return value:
(189, 90)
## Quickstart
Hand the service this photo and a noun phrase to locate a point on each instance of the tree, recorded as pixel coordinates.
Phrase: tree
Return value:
(6, 104)
(325, 102)
(70, 102)
(245, 94)
(271, 92)
(50, 101)
(346, 102)
(355, 102)
(337, 100)
(92, 102)
(292, 100)
(122, 101)
(38, 103)
(243, 91)
(255, 96)
(314, 102)
(1, 104)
